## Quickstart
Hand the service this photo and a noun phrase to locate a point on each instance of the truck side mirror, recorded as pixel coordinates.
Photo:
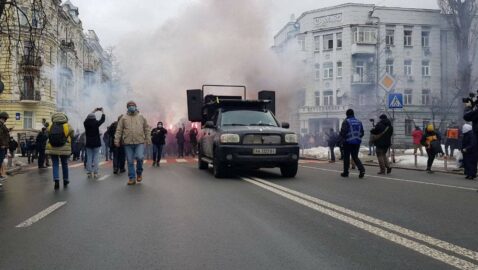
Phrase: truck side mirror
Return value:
(285, 125)
(209, 124)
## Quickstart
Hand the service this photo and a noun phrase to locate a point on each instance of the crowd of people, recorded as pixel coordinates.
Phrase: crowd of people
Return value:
(128, 141)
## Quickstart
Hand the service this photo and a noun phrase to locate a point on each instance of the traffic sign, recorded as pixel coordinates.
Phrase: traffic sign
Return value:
(387, 82)
(17, 116)
(395, 101)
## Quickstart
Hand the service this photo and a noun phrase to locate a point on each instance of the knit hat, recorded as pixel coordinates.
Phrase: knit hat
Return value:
(383, 117)
(130, 103)
(350, 112)
(91, 116)
(467, 128)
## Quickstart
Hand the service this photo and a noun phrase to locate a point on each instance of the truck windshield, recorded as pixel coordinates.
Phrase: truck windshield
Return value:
(248, 118)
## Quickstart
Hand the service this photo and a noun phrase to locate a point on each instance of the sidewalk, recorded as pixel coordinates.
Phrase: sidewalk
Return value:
(402, 160)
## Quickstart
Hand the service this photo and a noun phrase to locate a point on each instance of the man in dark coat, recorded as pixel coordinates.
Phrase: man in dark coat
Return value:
(119, 156)
(383, 132)
(332, 142)
(31, 149)
(158, 138)
(469, 149)
(352, 133)
(93, 141)
(193, 140)
(41, 141)
(180, 140)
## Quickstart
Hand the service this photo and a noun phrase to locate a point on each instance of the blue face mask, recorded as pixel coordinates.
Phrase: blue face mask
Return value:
(132, 109)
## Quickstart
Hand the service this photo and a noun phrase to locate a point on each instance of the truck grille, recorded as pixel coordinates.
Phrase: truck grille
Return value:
(261, 139)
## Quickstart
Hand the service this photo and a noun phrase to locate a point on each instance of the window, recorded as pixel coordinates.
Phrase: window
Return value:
(389, 66)
(28, 88)
(359, 72)
(426, 99)
(408, 97)
(339, 97)
(362, 99)
(339, 40)
(328, 71)
(390, 37)
(317, 98)
(27, 120)
(328, 42)
(425, 39)
(365, 35)
(301, 97)
(301, 41)
(407, 38)
(408, 67)
(425, 68)
(408, 127)
(317, 43)
(339, 69)
(317, 72)
(328, 98)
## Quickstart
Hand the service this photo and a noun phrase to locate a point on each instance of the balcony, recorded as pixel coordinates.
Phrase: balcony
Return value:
(363, 49)
(67, 45)
(363, 79)
(30, 97)
(323, 109)
(31, 64)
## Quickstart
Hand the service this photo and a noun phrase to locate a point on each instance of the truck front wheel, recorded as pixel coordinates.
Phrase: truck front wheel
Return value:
(289, 170)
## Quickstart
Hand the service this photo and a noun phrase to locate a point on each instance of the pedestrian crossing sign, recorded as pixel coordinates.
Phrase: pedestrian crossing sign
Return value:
(395, 101)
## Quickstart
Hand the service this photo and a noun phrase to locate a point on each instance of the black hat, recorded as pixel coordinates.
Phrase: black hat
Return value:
(350, 112)
(383, 117)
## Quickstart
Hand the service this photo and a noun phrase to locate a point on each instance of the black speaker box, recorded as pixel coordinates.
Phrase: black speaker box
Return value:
(269, 95)
(195, 104)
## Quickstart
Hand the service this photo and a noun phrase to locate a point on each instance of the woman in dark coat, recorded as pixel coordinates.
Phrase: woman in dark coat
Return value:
(469, 148)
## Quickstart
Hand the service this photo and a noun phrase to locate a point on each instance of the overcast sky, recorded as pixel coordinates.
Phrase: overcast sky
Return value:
(112, 19)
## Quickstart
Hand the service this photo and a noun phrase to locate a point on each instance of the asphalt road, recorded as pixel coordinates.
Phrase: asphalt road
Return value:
(183, 218)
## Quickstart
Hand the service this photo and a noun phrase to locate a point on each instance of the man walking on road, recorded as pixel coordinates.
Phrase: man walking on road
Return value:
(180, 140)
(158, 138)
(93, 142)
(42, 139)
(381, 136)
(193, 140)
(469, 149)
(4, 142)
(332, 141)
(352, 133)
(432, 142)
(451, 141)
(118, 152)
(133, 129)
(60, 134)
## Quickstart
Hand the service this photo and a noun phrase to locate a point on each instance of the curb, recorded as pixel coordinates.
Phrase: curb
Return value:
(369, 164)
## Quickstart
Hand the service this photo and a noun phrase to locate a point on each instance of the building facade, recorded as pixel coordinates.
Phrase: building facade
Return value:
(44, 55)
(347, 50)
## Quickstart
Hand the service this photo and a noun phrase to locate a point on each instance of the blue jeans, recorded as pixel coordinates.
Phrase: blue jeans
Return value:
(134, 151)
(55, 159)
(157, 152)
(92, 159)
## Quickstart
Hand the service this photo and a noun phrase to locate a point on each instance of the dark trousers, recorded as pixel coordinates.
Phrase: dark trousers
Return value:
(180, 149)
(470, 162)
(157, 152)
(352, 150)
(31, 156)
(41, 158)
(332, 153)
(431, 158)
(119, 158)
(452, 144)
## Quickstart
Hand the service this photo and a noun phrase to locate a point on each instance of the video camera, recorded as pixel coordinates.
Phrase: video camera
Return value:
(472, 98)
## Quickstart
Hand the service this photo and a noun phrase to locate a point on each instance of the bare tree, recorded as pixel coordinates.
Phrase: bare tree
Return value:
(461, 16)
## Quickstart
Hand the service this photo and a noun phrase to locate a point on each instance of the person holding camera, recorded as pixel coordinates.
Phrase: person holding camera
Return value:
(471, 113)
(381, 137)
(93, 142)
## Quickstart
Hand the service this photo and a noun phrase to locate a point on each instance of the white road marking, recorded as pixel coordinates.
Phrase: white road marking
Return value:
(40, 215)
(181, 160)
(416, 235)
(103, 177)
(396, 238)
(397, 179)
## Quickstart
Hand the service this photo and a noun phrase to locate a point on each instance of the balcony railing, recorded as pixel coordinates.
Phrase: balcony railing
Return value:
(30, 61)
(323, 109)
(30, 96)
(67, 45)
(358, 79)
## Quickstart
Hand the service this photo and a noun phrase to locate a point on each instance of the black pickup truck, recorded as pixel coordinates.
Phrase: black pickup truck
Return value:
(240, 133)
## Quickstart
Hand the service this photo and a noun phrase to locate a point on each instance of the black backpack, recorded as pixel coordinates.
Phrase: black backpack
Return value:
(57, 137)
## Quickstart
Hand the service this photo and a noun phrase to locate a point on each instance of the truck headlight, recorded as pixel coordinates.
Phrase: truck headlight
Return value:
(291, 138)
(230, 138)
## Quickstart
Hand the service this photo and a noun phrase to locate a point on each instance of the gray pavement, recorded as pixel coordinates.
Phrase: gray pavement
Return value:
(183, 218)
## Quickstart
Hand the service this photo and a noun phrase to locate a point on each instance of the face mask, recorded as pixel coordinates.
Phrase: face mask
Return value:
(132, 109)
(160, 126)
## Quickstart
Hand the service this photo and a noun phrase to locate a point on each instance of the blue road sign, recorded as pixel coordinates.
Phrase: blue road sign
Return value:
(17, 116)
(395, 101)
